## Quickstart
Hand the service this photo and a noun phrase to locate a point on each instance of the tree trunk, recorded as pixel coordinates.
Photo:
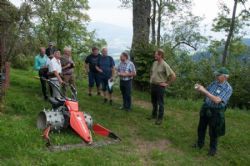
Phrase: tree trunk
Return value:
(141, 23)
(230, 34)
(153, 23)
(160, 7)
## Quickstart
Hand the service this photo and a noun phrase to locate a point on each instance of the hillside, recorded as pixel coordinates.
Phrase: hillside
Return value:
(143, 143)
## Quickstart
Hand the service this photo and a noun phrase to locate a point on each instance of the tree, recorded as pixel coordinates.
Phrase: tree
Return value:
(231, 26)
(141, 23)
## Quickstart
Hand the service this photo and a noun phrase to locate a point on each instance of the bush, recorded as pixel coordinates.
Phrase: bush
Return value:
(22, 61)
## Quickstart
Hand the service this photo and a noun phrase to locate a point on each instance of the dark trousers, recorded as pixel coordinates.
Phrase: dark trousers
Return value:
(208, 118)
(157, 99)
(125, 87)
(44, 89)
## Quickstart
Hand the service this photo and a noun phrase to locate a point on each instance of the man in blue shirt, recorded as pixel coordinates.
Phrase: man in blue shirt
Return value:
(105, 66)
(42, 68)
(217, 95)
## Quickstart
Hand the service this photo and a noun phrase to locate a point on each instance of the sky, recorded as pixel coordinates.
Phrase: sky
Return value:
(110, 12)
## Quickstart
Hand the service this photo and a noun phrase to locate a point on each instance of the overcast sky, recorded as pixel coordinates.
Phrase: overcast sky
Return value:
(108, 11)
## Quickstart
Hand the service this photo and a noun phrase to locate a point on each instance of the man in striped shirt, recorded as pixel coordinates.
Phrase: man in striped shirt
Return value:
(126, 71)
(217, 95)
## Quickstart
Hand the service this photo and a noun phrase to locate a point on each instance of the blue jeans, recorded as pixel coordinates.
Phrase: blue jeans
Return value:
(94, 78)
(125, 87)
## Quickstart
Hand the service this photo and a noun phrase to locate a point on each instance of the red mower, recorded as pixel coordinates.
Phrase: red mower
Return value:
(65, 113)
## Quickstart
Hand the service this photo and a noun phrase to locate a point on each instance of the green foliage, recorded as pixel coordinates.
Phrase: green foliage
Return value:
(143, 57)
(22, 61)
(189, 72)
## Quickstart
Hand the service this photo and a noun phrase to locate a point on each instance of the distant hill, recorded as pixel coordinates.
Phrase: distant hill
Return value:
(118, 38)
(206, 54)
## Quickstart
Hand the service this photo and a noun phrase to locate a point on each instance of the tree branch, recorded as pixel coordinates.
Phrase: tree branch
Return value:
(183, 42)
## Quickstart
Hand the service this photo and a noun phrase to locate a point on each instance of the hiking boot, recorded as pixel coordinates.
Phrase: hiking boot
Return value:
(99, 93)
(158, 122)
(211, 152)
(105, 101)
(110, 102)
(90, 94)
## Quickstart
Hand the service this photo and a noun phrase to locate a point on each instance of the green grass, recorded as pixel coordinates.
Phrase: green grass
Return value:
(143, 143)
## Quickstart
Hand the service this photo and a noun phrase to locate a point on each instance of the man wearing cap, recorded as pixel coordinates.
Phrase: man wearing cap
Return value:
(217, 95)
(50, 50)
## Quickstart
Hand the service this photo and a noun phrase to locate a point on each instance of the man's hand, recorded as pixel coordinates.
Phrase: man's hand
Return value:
(200, 88)
(163, 84)
(122, 74)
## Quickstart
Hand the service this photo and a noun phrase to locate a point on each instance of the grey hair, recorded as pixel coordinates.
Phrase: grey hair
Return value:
(67, 48)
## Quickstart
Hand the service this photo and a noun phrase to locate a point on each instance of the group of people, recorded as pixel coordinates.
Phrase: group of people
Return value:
(102, 72)
(58, 68)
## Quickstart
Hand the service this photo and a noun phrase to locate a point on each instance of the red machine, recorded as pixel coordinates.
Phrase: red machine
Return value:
(65, 113)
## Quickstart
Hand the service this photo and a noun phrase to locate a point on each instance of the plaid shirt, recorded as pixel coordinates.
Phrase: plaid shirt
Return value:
(126, 67)
(224, 91)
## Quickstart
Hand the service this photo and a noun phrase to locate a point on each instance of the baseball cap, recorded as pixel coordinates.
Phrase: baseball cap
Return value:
(221, 71)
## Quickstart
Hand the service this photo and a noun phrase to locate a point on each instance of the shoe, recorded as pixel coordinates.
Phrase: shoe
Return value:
(110, 102)
(98, 93)
(90, 94)
(197, 146)
(128, 110)
(151, 118)
(211, 152)
(105, 101)
(158, 122)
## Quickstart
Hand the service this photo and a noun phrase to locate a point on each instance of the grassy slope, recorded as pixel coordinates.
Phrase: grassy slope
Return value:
(143, 143)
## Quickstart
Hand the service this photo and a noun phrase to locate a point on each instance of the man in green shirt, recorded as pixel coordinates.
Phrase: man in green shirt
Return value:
(161, 76)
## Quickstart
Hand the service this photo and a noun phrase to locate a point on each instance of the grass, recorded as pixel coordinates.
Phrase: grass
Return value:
(143, 143)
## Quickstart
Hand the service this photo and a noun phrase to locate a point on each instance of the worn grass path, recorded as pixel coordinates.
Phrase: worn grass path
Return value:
(143, 143)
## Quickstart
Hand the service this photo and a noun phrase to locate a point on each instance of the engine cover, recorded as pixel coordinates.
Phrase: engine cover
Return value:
(54, 118)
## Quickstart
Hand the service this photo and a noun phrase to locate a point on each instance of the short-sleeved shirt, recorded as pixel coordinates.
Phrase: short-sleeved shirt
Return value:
(160, 72)
(92, 60)
(222, 90)
(65, 60)
(106, 63)
(55, 65)
(126, 67)
(40, 61)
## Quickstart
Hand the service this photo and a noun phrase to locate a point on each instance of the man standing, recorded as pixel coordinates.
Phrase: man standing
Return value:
(50, 50)
(126, 70)
(160, 78)
(105, 66)
(55, 69)
(67, 68)
(90, 66)
(217, 95)
(42, 68)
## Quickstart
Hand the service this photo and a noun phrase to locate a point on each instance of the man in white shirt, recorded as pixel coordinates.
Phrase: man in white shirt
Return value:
(55, 69)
